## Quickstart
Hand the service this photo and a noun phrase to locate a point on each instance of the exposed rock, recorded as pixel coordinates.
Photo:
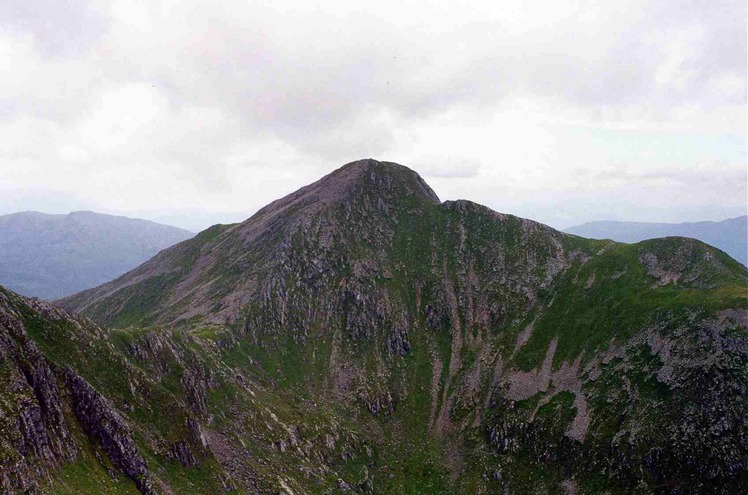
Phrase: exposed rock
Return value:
(397, 342)
(523, 337)
(525, 384)
(34, 435)
(359, 330)
(102, 421)
(182, 453)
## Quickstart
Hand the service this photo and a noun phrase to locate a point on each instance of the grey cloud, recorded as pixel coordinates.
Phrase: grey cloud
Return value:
(447, 168)
(734, 179)
(59, 27)
(312, 90)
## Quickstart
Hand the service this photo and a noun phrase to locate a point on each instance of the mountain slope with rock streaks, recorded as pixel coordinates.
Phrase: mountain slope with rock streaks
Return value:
(359, 335)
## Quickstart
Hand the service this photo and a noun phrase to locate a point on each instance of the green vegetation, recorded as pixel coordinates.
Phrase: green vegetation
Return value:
(360, 335)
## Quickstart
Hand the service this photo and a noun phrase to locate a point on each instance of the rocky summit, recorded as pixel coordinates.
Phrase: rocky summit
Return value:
(360, 336)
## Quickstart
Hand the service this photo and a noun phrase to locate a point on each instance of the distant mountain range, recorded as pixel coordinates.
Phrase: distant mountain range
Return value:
(731, 236)
(52, 256)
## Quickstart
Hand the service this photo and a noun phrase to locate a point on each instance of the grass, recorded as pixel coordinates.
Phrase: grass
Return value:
(399, 261)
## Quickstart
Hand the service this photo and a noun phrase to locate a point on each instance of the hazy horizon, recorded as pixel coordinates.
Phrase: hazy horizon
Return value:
(199, 220)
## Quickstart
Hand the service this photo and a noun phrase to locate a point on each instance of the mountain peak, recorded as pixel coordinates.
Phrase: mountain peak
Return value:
(361, 176)
(358, 323)
(391, 175)
(367, 179)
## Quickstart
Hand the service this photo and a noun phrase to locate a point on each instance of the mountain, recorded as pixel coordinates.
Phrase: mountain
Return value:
(360, 336)
(52, 256)
(731, 236)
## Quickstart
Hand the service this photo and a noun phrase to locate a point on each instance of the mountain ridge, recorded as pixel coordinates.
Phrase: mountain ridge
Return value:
(372, 339)
(729, 235)
(340, 186)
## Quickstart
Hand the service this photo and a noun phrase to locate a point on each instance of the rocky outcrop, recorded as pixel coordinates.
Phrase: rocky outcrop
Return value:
(103, 422)
(42, 438)
(35, 436)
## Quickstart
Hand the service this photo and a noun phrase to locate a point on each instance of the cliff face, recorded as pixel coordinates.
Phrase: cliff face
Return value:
(35, 432)
(361, 335)
(56, 426)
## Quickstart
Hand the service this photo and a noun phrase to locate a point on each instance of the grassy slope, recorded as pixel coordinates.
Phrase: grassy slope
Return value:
(297, 348)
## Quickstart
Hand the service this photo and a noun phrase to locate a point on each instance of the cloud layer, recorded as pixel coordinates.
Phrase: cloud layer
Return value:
(145, 106)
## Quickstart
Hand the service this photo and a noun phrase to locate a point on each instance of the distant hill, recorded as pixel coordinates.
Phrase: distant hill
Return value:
(52, 256)
(731, 236)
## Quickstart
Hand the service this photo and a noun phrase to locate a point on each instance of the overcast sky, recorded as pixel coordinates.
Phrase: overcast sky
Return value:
(200, 112)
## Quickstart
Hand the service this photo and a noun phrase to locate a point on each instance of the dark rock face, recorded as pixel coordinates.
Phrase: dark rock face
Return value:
(104, 423)
(33, 423)
(361, 314)
(436, 318)
(182, 453)
(397, 342)
(42, 436)
(184, 450)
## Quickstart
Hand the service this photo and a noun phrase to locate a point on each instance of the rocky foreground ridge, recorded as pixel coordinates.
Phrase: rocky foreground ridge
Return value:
(361, 336)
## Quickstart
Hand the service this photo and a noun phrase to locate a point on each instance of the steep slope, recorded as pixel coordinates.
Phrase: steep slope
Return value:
(209, 275)
(84, 410)
(731, 235)
(51, 256)
(59, 433)
(447, 348)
